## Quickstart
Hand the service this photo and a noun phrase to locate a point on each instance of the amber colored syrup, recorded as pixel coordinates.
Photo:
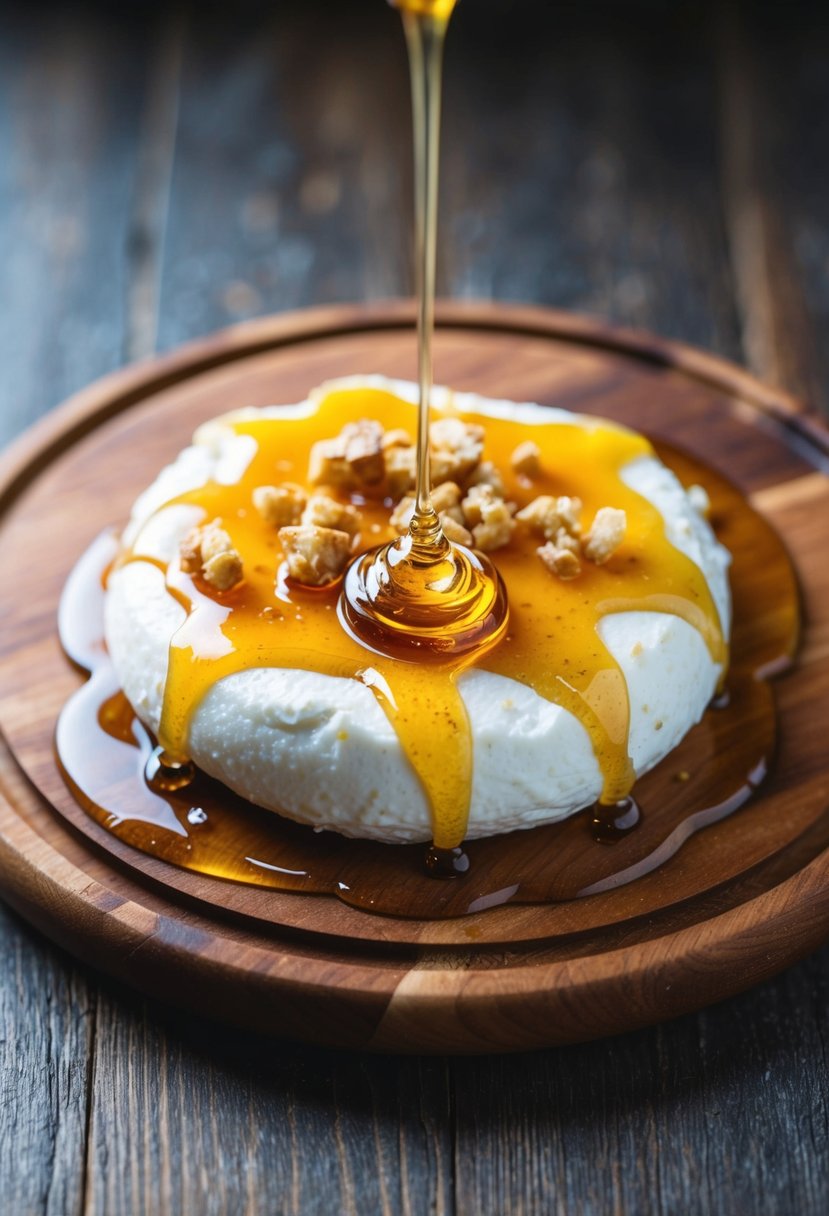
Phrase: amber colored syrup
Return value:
(442, 9)
(104, 750)
(552, 644)
(421, 596)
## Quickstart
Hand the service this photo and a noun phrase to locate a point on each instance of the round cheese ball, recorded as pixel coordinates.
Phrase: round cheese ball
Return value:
(319, 749)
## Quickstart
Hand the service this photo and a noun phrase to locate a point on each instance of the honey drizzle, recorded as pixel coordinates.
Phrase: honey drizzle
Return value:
(552, 644)
(205, 829)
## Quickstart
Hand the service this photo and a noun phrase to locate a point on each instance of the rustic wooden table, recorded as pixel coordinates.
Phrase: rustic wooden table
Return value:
(164, 172)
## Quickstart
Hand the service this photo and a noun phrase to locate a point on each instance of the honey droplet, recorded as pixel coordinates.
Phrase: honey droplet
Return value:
(446, 863)
(165, 775)
(610, 824)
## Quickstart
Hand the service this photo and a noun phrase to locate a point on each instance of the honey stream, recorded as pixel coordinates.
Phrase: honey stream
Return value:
(421, 598)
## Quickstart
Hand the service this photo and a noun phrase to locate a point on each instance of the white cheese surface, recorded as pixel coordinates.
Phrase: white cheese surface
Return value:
(320, 749)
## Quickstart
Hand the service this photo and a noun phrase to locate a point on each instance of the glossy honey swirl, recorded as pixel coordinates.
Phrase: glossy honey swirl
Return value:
(552, 644)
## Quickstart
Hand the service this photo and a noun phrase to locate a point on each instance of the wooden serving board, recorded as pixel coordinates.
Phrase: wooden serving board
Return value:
(307, 966)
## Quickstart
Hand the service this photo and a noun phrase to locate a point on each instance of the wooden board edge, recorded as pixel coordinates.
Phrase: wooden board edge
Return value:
(593, 997)
(431, 1006)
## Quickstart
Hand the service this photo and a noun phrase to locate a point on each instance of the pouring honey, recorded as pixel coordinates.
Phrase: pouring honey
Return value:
(423, 595)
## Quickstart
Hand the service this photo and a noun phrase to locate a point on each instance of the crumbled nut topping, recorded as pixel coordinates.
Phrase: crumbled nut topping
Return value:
(482, 517)
(401, 470)
(208, 551)
(446, 499)
(353, 460)
(364, 450)
(454, 531)
(526, 459)
(280, 505)
(455, 449)
(468, 495)
(560, 561)
(547, 515)
(327, 466)
(489, 517)
(486, 474)
(328, 513)
(557, 520)
(496, 527)
(315, 555)
(401, 516)
(605, 535)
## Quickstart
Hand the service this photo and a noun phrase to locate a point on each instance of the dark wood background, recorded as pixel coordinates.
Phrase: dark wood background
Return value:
(165, 171)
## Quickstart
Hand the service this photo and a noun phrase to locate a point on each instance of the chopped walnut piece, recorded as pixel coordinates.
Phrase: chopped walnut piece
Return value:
(486, 474)
(401, 516)
(455, 448)
(280, 505)
(489, 517)
(446, 499)
(401, 470)
(547, 515)
(208, 551)
(364, 450)
(189, 552)
(327, 466)
(560, 561)
(606, 534)
(315, 555)
(223, 570)
(496, 526)
(566, 540)
(526, 459)
(328, 513)
(454, 531)
(351, 461)
(476, 500)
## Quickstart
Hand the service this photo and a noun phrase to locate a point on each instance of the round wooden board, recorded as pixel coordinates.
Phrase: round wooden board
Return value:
(507, 979)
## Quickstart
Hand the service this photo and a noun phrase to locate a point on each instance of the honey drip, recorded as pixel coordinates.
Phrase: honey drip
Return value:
(104, 751)
(422, 597)
(552, 643)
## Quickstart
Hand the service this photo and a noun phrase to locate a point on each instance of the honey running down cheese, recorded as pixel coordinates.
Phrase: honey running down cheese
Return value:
(204, 828)
(551, 645)
(422, 590)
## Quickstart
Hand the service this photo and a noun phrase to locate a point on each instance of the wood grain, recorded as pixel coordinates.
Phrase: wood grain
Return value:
(718, 1112)
(321, 985)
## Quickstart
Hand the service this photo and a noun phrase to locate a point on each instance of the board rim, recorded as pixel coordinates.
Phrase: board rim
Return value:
(442, 996)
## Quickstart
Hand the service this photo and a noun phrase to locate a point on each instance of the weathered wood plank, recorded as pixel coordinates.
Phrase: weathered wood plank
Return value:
(290, 183)
(188, 1117)
(714, 1114)
(47, 1017)
(70, 90)
(70, 98)
(773, 107)
(580, 167)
